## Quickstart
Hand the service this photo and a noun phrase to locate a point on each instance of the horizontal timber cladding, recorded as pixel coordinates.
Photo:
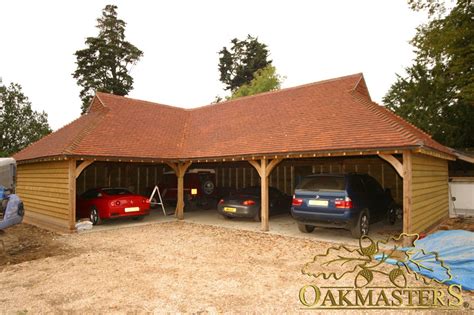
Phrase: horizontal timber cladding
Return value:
(47, 191)
(430, 194)
(289, 173)
(137, 177)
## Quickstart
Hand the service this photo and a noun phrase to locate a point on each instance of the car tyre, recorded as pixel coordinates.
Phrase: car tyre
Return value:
(94, 216)
(304, 228)
(361, 226)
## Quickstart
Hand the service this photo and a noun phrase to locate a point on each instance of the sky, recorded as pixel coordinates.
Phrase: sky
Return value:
(308, 41)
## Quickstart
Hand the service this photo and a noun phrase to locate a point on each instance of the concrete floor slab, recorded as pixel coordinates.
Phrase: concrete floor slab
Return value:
(283, 225)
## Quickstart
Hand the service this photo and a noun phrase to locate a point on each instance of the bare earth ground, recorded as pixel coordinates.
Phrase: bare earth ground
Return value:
(167, 267)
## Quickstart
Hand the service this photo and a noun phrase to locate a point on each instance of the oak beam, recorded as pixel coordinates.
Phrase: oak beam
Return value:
(397, 165)
(82, 167)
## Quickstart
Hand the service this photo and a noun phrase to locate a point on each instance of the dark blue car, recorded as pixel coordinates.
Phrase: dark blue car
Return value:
(350, 201)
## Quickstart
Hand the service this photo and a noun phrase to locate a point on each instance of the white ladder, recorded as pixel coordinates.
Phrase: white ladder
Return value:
(157, 190)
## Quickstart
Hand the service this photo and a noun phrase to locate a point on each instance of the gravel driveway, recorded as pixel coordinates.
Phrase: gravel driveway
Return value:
(169, 267)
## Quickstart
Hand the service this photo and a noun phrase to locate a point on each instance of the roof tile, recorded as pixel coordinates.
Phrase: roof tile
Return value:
(335, 114)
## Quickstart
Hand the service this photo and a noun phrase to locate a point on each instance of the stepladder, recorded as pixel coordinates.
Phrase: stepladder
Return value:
(157, 201)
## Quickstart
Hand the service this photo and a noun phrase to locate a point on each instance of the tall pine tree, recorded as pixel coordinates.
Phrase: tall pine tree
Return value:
(105, 64)
(238, 64)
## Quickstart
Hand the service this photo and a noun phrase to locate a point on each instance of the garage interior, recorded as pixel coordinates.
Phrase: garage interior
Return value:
(141, 178)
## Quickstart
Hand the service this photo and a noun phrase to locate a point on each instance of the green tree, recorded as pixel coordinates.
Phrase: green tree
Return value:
(437, 92)
(265, 79)
(238, 64)
(105, 64)
(20, 125)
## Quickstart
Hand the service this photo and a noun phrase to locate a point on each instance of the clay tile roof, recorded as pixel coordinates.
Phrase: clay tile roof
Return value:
(331, 115)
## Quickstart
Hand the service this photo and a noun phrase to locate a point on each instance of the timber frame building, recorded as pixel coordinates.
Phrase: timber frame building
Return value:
(332, 120)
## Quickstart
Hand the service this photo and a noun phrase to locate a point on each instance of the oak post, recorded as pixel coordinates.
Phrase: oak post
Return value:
(180, 169)
(179, 212)
(72, 176)
(264, 195)
(264, 168)
(407, 192)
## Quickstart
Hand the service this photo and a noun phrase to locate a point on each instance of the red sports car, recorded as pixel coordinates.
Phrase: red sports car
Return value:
(107, 203)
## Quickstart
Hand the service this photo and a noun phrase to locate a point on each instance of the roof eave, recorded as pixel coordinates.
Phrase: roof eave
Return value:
(464, 157)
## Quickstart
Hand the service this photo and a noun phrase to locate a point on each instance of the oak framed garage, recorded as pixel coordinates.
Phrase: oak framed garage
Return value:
(328, 120)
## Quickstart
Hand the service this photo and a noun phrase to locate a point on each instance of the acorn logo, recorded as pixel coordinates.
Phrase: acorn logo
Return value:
(403, 287)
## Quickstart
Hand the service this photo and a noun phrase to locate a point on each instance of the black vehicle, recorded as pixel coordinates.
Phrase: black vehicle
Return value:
(200, 189)
(245, 203)
(350, 201)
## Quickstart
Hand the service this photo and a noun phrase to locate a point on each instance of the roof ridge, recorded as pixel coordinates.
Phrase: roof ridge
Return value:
(142, 101)
(240, 98)
(277, 91)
